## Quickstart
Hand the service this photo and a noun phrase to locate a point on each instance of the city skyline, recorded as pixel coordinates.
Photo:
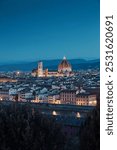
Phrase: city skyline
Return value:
(33, 30)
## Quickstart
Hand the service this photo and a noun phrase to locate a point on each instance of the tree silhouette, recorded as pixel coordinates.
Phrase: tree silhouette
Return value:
(90, 132)
(20, 129)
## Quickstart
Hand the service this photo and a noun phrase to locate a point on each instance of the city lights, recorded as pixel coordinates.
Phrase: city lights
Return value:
(1, 99)
(54, 113)
(78, 115)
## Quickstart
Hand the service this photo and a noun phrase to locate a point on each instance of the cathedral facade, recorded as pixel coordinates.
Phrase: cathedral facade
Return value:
(64, 69)
(64, 66)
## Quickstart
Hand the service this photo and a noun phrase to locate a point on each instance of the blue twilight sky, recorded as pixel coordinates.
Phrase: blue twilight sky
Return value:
(48, 29)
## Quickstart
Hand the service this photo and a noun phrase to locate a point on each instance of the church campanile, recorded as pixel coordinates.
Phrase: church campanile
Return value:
(40, 69)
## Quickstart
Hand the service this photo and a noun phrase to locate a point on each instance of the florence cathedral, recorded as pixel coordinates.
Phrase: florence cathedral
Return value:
(64, 69)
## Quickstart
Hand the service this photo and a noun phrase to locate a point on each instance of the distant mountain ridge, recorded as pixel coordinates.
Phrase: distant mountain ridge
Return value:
(52, 65)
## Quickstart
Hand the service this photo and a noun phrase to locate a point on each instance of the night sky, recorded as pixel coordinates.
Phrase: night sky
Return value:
(49, 29)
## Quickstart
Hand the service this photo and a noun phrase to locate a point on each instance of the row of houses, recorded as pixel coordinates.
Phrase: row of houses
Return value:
(74, 97)
(62, 97)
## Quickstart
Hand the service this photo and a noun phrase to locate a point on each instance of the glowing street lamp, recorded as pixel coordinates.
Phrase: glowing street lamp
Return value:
(54, 113)
(78, 115)
(1, 99)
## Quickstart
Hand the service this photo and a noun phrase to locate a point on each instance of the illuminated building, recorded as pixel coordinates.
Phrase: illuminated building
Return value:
(64, 69)
(34, 72)
(68, 97)
(86, 99)
(6, 79)
(46, 73)
(64, 66)
(54, 99)
(4, 94)
(40, 70)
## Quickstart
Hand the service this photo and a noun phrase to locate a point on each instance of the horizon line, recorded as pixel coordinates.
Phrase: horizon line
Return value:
(32, 60)
(15, 62)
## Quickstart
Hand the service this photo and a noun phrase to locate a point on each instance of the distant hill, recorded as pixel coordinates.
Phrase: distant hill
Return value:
(77, 64)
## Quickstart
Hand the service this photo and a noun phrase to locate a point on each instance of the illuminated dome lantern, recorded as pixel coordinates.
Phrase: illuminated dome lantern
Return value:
(64, 66)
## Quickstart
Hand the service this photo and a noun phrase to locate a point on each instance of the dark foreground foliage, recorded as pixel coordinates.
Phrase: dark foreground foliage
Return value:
(90, 132)
(22, 128)
(88, 137)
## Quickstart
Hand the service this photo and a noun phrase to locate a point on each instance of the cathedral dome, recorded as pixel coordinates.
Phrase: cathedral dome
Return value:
(64, 66)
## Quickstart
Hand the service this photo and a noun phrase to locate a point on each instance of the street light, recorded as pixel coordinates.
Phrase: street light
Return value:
(54, 113)
(1, 99)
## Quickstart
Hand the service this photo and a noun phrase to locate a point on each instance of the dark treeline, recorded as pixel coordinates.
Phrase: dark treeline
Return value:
(90, 132)
(24, 128)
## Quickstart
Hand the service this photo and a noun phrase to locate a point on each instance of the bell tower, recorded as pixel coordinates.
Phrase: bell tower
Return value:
(40, 69)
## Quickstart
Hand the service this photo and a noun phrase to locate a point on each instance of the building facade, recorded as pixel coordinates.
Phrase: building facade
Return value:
(71, 97)
(64, 66)
(40, 69)
(6, 79)
(68, 97)
(86, 99)
(4, 94)
(64, 69)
